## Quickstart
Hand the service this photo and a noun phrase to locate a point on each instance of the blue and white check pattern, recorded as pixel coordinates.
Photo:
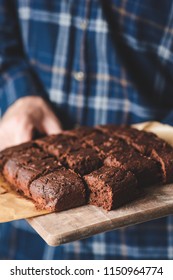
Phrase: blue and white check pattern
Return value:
(97, 62)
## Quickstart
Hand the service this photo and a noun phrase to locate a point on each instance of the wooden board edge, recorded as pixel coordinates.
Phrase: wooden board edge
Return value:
(109, 225)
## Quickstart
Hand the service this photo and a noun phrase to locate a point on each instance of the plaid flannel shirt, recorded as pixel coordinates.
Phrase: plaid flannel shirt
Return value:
(97, 61)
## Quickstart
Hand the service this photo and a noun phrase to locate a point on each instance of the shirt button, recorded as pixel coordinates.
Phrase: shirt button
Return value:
(79, 76)
(84, 24)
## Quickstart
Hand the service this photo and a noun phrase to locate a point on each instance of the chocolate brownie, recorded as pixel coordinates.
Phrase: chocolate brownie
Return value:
(165, 158)
(46, 141)
(34, 170)
(3, 159)
(132, 158)
(80, 132)
(7, 153)
(71, 153)
(127, 133)
(21, 171)
(108, 128)
(57, 145)
(26, 156)
(149, 144)
(141, 140)
(111, 187)
(102, 143)
(96, 139)
(146, 170)
(82, 160)
(59, 190)
(131, 135)
(152, 146)
(159, 150)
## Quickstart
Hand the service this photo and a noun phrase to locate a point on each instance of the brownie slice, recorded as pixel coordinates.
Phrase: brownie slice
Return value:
(129, 134)
(7, 153)
(82, 160)
(108, 128)
(111, 187)
(101, 143)
(146, 170)
(80, 132)
(96, 138)
(71, 153)
(57, 145)
(149, 144)
(45, 142)
(132, 136)
(21, 171)
(165, 158)
(58, 191)
(24, 157)
(141, 140)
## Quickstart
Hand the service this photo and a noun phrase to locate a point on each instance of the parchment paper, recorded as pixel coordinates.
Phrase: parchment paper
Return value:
(15, 207)
(164, 131)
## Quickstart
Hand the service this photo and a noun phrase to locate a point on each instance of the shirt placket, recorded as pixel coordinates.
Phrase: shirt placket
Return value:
(80, 75)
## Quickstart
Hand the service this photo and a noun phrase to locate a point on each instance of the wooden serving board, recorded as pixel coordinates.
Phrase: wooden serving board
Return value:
(85, 221)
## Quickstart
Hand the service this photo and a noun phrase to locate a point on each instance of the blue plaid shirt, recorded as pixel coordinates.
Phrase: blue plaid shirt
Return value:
(97, 61)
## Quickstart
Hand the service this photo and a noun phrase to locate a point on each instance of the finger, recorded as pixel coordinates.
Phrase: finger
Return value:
(11, 140)
(4, 142)
(51, 125)
(24, 137)
(23, 134)
(11, 137)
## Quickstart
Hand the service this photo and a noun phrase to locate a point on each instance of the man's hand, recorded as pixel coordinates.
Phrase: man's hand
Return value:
(23, 118)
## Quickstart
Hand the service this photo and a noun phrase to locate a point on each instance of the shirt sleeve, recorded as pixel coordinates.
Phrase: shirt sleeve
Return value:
(168, 119)
(17, 78)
